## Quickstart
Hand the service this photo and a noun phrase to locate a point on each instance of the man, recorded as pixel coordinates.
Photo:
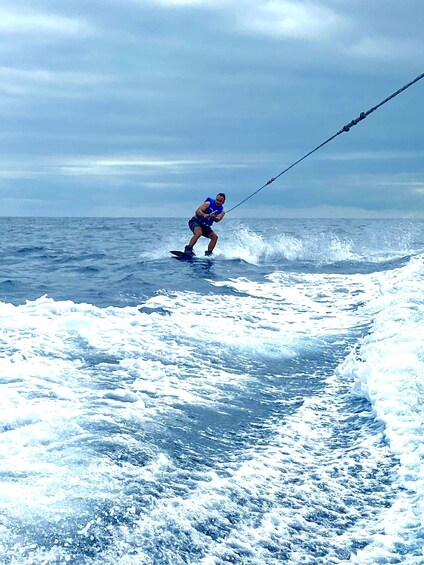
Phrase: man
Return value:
(210, 211)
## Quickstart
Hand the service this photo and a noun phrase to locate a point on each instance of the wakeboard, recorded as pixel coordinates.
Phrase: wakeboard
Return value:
(183, 256)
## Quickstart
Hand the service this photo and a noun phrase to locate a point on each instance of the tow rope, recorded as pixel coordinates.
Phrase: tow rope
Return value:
(344, 129)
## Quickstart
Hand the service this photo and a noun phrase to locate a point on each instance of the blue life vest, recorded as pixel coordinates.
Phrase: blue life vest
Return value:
(211, 208)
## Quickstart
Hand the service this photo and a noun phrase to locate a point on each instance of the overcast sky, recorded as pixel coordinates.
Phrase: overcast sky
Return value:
(145, 107)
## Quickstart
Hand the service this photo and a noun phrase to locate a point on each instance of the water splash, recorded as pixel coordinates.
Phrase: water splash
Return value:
(256, 248)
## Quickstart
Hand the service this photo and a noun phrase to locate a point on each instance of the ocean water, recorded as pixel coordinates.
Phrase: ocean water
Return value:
(263, 406)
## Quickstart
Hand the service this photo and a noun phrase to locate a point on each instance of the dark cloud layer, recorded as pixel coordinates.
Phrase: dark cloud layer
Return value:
(144, 107)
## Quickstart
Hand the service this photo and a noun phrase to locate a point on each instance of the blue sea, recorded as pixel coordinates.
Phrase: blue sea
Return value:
(262, 406)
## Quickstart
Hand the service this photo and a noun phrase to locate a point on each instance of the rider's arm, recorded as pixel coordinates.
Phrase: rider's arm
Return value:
(219, 217)
(201, 210)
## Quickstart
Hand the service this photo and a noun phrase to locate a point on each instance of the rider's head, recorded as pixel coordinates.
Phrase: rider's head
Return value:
(220, 198)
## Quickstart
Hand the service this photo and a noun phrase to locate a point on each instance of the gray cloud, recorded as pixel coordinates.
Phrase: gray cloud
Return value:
(24, 20)
(134, 99)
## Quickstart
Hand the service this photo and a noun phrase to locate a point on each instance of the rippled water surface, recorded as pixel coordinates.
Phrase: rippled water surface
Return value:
(261, 406)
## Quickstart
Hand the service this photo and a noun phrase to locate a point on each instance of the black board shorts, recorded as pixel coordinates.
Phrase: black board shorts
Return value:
(194, 223)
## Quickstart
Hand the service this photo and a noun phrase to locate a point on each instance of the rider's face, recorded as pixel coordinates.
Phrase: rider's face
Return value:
(220, 200)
